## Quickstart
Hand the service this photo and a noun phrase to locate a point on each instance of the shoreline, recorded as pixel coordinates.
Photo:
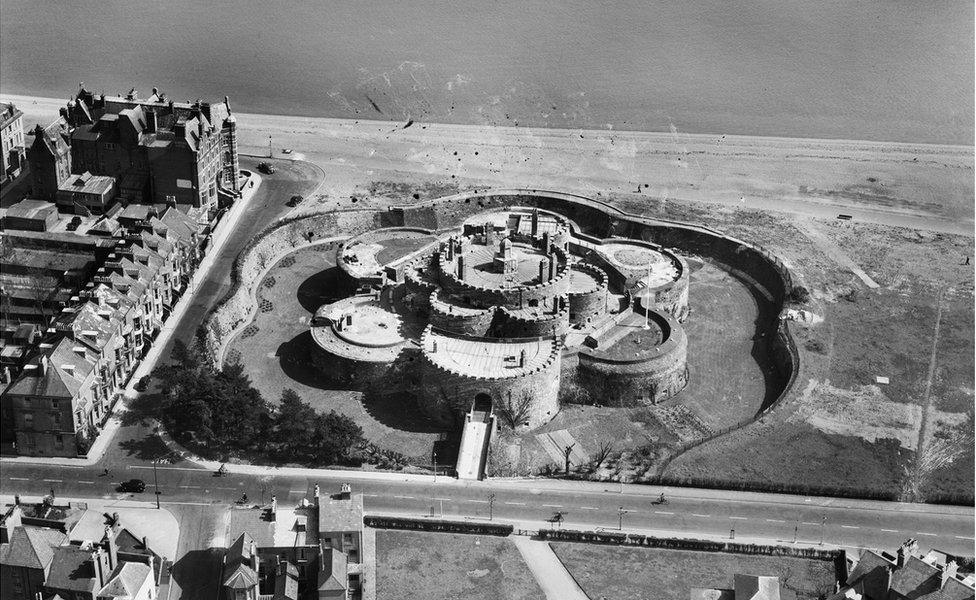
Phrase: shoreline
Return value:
(51, 105)
(915, 186)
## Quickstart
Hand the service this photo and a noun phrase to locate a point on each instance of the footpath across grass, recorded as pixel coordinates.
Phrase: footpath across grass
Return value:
(444, 566)
(612, 573)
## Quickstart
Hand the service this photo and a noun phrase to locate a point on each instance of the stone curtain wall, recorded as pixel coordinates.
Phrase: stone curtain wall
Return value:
(275, 241)
(446, 395)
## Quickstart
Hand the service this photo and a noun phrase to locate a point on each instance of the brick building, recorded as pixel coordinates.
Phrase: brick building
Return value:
(160, 151)
(49, 158)
(11, 142)
(86, 194)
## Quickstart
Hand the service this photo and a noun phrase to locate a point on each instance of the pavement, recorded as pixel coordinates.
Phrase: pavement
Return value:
(555, 581)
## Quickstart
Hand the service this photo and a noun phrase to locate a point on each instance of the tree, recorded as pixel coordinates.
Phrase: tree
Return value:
(515, 412)
(602, 453)
(294, 425)
(335, 436)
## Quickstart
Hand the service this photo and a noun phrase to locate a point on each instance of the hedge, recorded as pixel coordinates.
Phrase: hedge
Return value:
(476, 527)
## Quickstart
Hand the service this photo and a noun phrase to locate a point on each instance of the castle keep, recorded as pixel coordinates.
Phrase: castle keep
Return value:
(494, 314)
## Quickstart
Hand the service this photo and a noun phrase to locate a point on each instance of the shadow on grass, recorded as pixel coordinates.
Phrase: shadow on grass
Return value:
(198, 574)
(399, 410)
(322, 288)
(297, 358)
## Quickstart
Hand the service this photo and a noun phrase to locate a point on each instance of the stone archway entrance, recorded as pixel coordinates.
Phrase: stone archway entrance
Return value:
(481, 408)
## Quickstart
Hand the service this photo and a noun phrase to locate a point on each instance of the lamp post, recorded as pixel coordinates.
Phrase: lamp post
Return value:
(156, 483)
(435, 466)
(620, 517)
(491, 504)
(823, 526)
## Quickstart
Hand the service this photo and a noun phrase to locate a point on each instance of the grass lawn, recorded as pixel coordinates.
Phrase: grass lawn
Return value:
(612, 572)
(445, 566)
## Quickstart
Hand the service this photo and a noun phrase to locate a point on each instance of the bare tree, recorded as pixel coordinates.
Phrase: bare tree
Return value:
(566, 452)
(602, 453)
(515, 412)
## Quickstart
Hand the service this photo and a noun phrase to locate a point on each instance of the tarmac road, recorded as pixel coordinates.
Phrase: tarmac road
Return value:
(764, 518)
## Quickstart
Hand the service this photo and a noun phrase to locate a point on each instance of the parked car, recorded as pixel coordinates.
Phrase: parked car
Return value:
(133, 485)
(267, 168)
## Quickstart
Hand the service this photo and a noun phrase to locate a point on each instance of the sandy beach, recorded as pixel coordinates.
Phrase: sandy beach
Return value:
(922, 186)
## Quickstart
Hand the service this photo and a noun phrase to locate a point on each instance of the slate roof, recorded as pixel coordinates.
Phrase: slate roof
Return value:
(238, 573)
(8, 114)
(755, 587)
(126, 581)
(56, 381)
(334, 573)
(286, 583)
(31, 209)
(870, 576)
(31, 547)
(52, 138)
(72, 570)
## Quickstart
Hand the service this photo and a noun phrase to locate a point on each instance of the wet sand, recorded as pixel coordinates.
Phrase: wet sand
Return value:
(914, 185)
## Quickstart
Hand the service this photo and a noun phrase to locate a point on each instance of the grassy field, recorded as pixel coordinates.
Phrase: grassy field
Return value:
(840, 427)
(444, 566)
(611, 572)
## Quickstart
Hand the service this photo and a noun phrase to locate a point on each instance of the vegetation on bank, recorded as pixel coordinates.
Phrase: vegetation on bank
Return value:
(221, 409)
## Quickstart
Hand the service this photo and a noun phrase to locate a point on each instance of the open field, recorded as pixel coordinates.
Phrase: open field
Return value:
(613, 573)
(442, 566)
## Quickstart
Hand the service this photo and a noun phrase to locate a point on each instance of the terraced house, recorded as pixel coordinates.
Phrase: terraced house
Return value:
(100, 326)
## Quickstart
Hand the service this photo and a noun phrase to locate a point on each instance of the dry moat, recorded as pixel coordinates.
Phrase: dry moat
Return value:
(514, 334)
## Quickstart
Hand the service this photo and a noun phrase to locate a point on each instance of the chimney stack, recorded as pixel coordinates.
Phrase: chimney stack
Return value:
(948, 572)
(345, 492)
(151, 120)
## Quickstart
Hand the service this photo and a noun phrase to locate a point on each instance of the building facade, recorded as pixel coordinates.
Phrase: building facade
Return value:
(11, 142)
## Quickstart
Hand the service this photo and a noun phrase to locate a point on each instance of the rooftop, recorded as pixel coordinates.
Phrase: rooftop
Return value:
(31, 209)
(88, 184)
(493, 359)
(337, 514)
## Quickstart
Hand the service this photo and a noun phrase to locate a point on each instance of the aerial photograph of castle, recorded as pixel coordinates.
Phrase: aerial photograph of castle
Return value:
(500, 300)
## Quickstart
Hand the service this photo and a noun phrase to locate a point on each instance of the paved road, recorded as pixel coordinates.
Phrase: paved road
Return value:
(773, 518)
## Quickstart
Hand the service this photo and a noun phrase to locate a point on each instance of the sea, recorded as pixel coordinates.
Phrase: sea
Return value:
(883, 70)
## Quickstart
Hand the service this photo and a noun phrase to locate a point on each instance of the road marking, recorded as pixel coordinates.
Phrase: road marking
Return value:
(443, 499)
(589, 508)
(814, 523)
(167, 469)
(19, 479)
(53, 480)
(775, 521)
(928, 534)
(225, 488)
(370, 495)
(516, 503)
(890, 530)
(850, 526)
(190, 487)
(87, 482)
(296, 491)
(702, 516)
(661, 512)
(962, 537)
(553, 505)
(405, 497)
(478, 501)
(740, 518)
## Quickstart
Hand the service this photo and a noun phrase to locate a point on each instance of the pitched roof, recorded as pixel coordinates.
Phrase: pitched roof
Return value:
(31, 547)
(72, 570)
(126, 581)
(334, 572)
(755, 587)
(286, 582)
(916, 579)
